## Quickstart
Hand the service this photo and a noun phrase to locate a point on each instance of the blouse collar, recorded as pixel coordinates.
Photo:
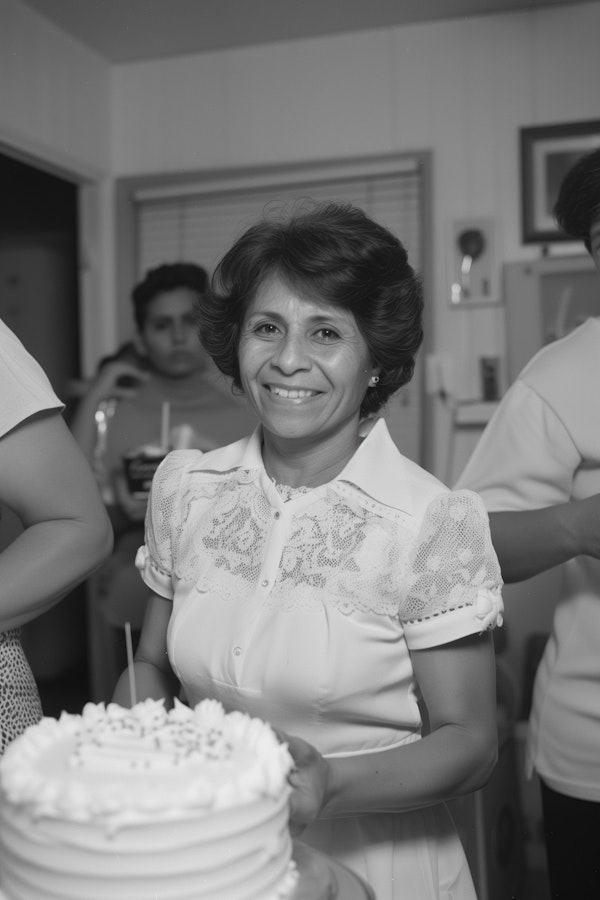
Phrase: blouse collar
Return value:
(377, 468)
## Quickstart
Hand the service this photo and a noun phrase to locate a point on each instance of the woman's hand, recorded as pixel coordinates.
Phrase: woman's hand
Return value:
(308, 781)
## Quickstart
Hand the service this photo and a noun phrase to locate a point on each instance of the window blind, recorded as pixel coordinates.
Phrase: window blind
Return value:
(198, 223)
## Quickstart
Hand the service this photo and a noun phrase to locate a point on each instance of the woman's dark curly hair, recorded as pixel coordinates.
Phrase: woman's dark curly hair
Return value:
(329, 252)
(578, 203)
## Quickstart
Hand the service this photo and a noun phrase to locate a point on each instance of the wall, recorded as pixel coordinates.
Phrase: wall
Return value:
(461, 88)
(54, 96)
(54, 113)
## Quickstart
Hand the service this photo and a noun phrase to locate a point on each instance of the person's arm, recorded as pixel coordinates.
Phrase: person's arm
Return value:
(152, 672)
(47, 482)
(457, 683)
(528, 542)
(524, 467)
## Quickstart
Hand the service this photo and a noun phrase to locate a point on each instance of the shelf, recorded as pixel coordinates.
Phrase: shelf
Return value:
(473, 413)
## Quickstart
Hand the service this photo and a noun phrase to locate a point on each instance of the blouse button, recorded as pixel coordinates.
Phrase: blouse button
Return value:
(277, 514)
(265, 583)
(237, 651)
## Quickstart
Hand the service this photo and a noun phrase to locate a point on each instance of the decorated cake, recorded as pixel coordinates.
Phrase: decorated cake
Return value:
(146, 804)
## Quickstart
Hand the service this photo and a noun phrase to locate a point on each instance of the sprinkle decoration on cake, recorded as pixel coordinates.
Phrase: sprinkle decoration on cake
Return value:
(146, 804)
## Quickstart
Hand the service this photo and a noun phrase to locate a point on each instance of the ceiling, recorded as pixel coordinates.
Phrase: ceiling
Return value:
(128, 30)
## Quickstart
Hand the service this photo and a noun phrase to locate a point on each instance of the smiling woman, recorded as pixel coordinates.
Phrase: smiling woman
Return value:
(306, 369)
(308, 574)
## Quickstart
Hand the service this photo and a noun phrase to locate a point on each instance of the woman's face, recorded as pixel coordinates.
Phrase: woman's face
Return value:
(169, 336)
(305, 366)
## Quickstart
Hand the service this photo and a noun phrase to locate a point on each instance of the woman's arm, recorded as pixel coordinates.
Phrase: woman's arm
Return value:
(47, 482)
(528, 542)
(152, 670)
(457, 682)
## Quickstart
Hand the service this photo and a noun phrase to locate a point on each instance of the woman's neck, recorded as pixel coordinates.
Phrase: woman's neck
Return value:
(287, 463)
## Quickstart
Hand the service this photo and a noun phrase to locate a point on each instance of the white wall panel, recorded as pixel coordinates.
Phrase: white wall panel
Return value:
(54, 96)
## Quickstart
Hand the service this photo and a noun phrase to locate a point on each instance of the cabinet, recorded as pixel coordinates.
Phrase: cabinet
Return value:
(545, 300)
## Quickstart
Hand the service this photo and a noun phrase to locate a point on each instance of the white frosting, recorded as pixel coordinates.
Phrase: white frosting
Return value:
(119, 802)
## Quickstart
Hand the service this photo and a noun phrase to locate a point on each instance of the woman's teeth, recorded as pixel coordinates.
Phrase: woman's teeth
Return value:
(292, 394)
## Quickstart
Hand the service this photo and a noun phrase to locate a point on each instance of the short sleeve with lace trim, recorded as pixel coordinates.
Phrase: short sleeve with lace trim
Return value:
(454, 580)
(163, 520)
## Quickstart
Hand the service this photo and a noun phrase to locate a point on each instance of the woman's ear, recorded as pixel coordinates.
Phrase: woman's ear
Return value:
(374, 379)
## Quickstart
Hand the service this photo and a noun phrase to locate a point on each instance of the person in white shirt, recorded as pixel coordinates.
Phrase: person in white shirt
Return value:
(313, 576)
(46, 481)
(537, 468)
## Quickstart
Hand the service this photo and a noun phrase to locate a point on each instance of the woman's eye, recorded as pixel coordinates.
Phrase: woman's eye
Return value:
(267, 328)
(327, 334)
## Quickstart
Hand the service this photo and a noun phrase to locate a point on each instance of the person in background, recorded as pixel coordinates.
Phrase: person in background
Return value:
(46, 481)
(537, 467)
(122, 411)
(313, 576)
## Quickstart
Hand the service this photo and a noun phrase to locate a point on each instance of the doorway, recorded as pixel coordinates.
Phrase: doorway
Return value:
(39, 302)
(38, 267)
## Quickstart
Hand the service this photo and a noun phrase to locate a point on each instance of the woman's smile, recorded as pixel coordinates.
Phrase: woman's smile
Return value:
(291, 393)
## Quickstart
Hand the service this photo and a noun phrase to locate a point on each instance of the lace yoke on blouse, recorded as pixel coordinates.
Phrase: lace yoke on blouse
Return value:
(334, 544)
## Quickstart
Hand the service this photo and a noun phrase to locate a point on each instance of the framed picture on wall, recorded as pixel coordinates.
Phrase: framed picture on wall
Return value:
(547, 153)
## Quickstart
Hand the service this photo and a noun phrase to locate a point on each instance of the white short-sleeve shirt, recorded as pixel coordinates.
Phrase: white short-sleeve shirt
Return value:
(24, 387)
(304, 610)
(542, 447)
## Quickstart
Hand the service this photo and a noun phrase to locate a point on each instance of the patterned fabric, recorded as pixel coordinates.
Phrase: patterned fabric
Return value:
(354, 551)
(19, 699)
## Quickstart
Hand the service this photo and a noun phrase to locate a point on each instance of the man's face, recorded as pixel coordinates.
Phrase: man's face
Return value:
(169, 336)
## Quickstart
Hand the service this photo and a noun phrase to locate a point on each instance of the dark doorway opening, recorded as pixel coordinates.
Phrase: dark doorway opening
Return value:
(39, 266)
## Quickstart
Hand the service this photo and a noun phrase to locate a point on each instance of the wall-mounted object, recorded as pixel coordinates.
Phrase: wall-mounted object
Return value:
(472, 262)
(545, 300)
(547, 154)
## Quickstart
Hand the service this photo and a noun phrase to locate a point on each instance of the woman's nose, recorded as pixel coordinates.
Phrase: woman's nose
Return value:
(291, 354)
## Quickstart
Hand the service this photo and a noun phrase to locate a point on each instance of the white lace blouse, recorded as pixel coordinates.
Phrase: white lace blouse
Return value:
(317, 598)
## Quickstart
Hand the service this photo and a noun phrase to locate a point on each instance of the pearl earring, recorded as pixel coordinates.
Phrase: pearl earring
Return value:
(374, 380)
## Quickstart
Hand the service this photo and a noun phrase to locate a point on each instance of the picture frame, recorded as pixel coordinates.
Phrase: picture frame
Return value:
(547, 153)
